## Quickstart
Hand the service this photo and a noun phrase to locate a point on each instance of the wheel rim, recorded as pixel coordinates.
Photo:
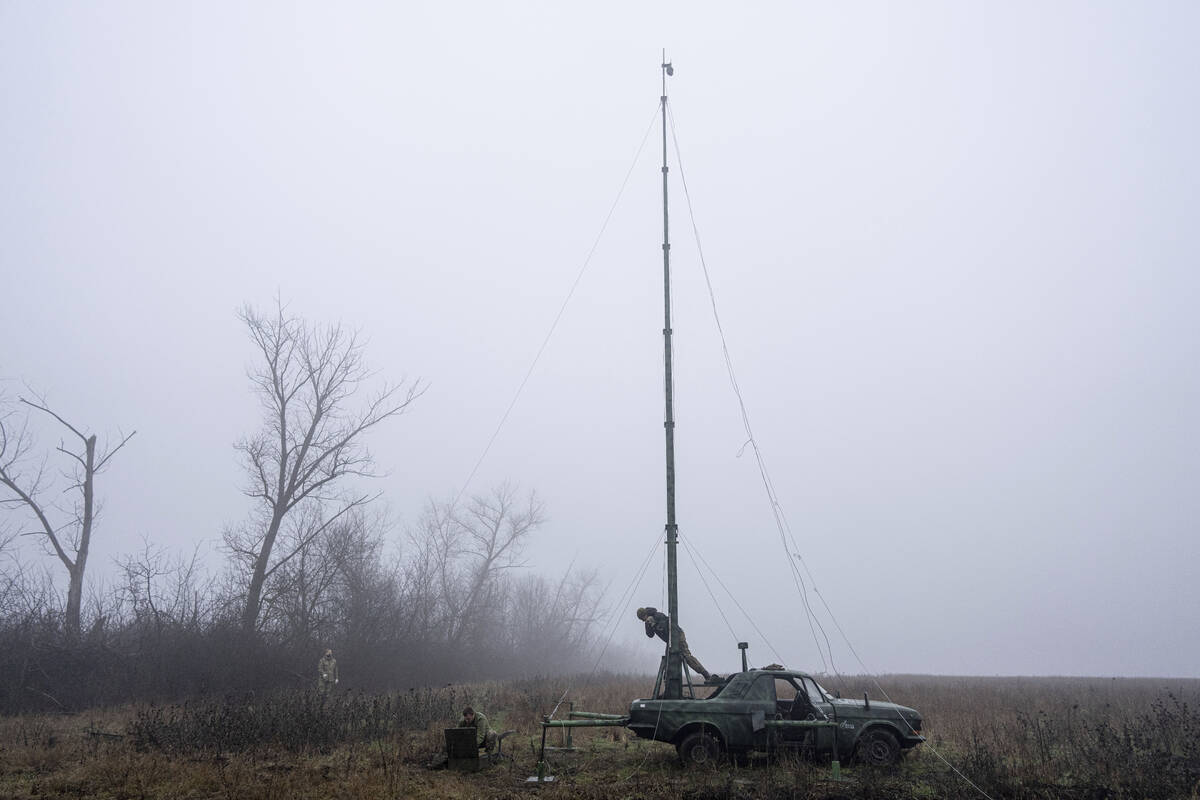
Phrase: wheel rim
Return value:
(700, 750)
(878, 751)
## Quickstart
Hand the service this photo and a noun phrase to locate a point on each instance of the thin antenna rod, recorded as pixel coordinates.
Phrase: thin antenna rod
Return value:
(673, 688)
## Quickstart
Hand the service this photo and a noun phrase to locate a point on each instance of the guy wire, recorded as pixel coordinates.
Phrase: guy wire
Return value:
(785, 531)
(554, 325)
(813, 622)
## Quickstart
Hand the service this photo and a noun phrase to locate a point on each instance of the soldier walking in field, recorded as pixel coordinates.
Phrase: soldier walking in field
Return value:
(327, 673)
(659, 624)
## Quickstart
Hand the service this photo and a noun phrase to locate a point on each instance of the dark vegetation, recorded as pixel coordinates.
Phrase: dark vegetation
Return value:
(1011, 738)
(447, 609)
(294, 721)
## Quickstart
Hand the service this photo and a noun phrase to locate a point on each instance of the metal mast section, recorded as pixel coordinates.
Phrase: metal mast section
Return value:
(673, 683)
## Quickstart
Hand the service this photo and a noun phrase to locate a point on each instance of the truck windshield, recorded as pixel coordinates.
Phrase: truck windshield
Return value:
(816, 694)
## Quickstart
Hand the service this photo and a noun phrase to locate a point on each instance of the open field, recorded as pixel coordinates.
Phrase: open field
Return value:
(1012, 737)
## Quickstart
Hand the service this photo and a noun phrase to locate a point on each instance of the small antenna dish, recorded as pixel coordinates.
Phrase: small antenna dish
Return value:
(670, 69)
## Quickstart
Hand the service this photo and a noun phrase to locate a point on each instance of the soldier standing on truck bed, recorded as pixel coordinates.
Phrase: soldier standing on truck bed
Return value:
(659, 624)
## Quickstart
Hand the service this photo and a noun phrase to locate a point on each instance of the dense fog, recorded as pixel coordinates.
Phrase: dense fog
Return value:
(951, 249)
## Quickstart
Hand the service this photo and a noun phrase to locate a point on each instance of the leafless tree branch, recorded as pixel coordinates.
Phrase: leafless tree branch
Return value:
(311, 442)
(26, 490)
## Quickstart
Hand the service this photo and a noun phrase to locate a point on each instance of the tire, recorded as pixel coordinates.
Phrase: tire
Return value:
(878, 748)
(699, 750)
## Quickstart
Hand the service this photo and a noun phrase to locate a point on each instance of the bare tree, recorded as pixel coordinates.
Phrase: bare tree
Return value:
(26, 487)
(12, 575)
(298, 596)
(163, 590)
(368, 596)
(553, 624)
(311, 440)
(473, 546)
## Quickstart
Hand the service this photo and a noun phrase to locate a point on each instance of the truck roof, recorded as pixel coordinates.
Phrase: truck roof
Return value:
(795, 673)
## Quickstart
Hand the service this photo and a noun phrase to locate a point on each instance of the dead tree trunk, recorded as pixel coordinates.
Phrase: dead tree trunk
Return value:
(26, 488)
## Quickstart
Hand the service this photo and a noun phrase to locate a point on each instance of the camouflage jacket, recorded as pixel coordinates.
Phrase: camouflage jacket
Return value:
(480, 725)
(327, 669)
(657, 624)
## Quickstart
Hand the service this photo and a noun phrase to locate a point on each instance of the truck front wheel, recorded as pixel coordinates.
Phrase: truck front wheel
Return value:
(699, 749)
(878, 748)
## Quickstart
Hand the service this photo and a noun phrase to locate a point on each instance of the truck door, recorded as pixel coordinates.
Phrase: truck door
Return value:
(820, 708)
(760, 701)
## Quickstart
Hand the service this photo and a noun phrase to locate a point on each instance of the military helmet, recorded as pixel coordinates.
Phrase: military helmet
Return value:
(641, 613)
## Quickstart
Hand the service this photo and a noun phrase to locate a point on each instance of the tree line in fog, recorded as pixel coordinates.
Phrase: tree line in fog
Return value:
(315, 565)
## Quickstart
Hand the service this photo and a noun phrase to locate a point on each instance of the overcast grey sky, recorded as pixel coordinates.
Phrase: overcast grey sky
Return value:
(954, 247)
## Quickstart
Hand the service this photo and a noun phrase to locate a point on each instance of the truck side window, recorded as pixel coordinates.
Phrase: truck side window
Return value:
(763, 688)
(786, 696)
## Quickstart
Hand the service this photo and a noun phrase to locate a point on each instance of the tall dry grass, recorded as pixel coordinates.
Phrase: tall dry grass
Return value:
(999, 737)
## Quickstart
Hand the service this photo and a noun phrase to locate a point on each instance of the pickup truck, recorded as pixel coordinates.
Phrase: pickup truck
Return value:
(773, 711)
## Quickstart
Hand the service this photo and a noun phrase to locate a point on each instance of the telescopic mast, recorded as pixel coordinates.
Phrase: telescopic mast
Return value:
(673, 683)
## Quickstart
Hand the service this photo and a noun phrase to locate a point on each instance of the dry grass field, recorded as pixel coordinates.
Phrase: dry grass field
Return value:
(1008, 737)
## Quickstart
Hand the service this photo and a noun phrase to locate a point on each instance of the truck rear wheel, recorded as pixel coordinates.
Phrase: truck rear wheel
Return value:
(699, 749)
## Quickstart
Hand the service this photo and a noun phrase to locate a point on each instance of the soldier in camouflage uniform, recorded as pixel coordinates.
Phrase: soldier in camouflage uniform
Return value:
(327, 673)
(485, 737)
(659, 624)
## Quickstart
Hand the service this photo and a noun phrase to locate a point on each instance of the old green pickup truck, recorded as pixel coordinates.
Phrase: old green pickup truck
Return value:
(773, 711)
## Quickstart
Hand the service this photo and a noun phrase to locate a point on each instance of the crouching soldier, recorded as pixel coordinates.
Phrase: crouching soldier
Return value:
(485, 737)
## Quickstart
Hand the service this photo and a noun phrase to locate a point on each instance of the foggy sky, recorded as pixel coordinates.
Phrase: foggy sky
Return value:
(954, 248)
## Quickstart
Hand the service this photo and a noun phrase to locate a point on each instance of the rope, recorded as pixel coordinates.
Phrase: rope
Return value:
(785, 531)
(688, 548)
(813, 622)
(614, 619)
(554, 325)
(745, 613)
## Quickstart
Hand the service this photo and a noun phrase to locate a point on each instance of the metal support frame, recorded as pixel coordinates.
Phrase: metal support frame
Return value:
(586, 719)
